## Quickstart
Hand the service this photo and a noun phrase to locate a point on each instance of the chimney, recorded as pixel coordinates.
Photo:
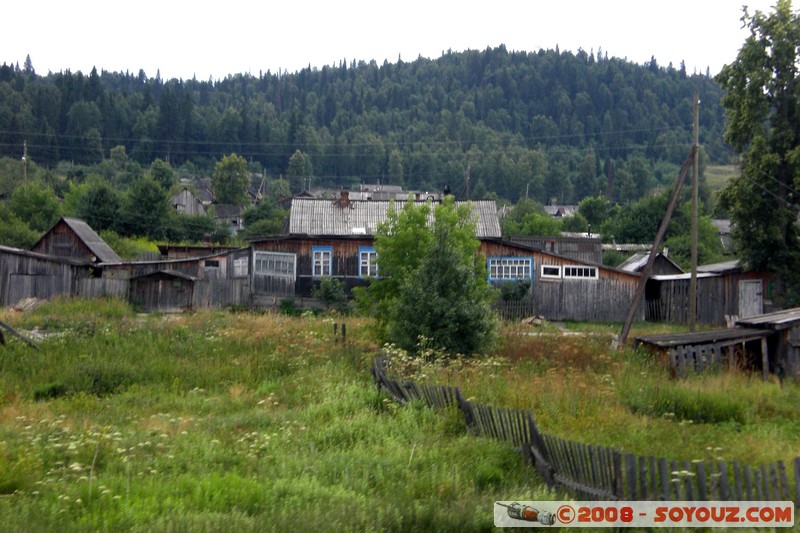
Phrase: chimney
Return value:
(344, 198)
(417, 197)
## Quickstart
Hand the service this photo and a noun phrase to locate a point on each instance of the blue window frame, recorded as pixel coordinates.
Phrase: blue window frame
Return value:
(321, 261)
(367, 262)
(509, 268)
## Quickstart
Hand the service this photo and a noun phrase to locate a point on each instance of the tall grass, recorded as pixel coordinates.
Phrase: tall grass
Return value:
(217, 422)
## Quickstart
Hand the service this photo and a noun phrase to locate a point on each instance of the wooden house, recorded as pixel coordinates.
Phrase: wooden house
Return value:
(332, 238)
(562, 288)
(187, 203)
(73, 238)
(230, 216)
(336, 238)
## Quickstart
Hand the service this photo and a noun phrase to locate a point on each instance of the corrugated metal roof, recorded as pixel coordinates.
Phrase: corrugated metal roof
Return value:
(326, 217)
(92, 240)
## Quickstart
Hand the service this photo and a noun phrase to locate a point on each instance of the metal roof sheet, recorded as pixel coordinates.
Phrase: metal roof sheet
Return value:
(326, 217)
(92, 240)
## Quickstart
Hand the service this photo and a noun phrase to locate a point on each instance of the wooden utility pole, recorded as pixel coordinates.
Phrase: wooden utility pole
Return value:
(25, 161)
(695, 187)
(651, 259)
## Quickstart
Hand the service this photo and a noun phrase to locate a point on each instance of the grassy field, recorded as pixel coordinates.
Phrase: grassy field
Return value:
(217, 421)
(577, 388)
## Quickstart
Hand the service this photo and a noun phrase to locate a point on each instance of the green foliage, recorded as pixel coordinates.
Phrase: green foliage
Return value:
(330, 291)
(529, 218)
(230, 180)
(513, 291)
(432, 285)
(521, 121)
(182, 420)
(98, 204)
(595, 209)
(36, 204)
(127, 247)
(263, 219)
(14, 232)
(162, 173)
(298, 170)
(687, 402)
(762, 107)
(145, 210)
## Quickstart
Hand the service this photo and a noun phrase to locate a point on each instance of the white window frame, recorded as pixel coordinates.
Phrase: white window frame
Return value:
(321, 261)
(501, 268)
(276, 264)
(579, 272)
(367, 265)
(556, 275)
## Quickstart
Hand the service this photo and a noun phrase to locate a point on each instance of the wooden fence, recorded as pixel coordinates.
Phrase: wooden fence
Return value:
(600, 472)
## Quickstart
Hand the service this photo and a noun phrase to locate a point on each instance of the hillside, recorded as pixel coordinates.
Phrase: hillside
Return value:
(555, 125)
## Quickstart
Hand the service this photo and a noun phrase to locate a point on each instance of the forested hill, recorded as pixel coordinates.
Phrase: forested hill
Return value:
(554, 124)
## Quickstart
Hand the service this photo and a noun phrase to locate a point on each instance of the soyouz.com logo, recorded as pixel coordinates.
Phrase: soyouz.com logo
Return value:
(644, 514)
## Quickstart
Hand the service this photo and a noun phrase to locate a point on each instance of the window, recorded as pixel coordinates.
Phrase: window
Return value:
(502, 268)
(551, 271)
(580, 272)
(274, 264)
(367, 262)
(211, 263)
(321, 265)
(240, 267)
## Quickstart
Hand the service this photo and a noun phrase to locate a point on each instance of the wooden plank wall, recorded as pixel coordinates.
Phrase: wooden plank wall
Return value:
(24, 276)
(600, 300)
(716, 297)
(601, 472)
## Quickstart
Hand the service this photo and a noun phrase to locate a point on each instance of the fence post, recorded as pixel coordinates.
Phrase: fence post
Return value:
(465, 408)
(616, 483)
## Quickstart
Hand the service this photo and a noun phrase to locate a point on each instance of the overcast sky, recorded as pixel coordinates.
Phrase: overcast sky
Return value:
(205, 39)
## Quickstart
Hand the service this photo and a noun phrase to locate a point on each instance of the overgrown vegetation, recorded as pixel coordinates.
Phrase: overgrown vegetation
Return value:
(432, 282)
(227, 422)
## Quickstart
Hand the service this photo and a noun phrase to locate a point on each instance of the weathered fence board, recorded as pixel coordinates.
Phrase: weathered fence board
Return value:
(599, 472)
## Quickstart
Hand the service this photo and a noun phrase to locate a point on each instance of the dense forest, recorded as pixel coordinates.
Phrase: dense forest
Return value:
(549, 125)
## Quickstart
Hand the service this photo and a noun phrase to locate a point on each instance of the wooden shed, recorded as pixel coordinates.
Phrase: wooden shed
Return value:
(723, 290)
(783, 340)
(25, 274)
(73, 238)
(744, 348)
(165, 291)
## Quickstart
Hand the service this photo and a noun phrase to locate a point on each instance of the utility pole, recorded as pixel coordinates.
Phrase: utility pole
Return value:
(695, 187)
(25, 161)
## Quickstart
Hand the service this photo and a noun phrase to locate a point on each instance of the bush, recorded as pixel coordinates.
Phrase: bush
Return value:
(331, 293)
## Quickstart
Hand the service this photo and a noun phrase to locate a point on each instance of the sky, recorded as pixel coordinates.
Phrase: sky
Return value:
(216, 39)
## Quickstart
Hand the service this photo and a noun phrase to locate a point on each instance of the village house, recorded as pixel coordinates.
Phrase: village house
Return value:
(336, 238)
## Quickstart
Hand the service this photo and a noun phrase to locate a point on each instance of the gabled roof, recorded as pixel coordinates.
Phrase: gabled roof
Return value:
(331, 218)
(89, 237)
(637, 261)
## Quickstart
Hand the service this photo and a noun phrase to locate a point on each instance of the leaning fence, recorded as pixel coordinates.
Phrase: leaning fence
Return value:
(600, 472)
